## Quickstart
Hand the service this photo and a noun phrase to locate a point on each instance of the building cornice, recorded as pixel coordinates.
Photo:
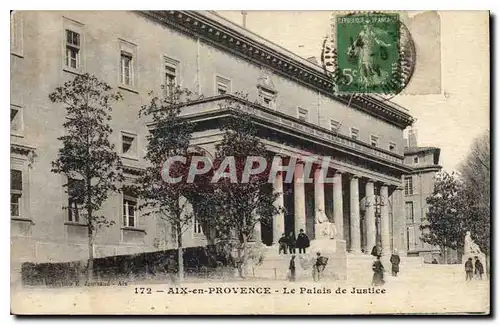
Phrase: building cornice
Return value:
(221, 33)
(426, 169)
(298, 128)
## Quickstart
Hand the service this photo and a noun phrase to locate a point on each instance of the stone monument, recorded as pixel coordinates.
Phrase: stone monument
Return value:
(471, 249)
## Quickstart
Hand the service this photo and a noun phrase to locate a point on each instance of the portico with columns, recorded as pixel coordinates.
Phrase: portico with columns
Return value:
(364, 222)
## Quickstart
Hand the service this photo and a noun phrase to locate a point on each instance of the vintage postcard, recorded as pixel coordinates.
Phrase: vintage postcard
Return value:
(250, 162)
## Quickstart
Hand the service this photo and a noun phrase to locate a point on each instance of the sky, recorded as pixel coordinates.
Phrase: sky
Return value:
(450, 119)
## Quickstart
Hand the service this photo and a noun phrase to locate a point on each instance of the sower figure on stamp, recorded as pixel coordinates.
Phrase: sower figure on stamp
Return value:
(395, 260)
(283, 244)
(302, 241)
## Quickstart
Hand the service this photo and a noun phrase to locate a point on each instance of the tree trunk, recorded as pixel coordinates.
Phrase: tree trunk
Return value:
(180, 253)
(90, 265)
(244, 263)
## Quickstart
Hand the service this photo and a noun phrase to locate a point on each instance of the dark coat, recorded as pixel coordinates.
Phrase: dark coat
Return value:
(302, 241)
(283, 240)
(292, 264)
(468, 266)
(378, 273)
(376, 251)
(291, 241)
(479, 267)
(395, 260)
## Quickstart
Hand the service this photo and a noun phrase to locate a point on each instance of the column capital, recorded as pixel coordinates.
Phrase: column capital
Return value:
(339, 172)
(353, 176)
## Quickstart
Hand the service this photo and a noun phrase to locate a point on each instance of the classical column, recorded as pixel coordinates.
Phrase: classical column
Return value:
(355, 220)
(371, 231)
(319, 197)
(384, 220)
(299, 199)
(338, 207)
(279, 219)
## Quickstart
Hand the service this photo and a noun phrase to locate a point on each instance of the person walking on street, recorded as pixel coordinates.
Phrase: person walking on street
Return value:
(378, 272)
(282, 242)
(319, 266)
(395, 260)
(292, 269)
(478, 268)
(302, 241)
(291, 243)
(469, 268)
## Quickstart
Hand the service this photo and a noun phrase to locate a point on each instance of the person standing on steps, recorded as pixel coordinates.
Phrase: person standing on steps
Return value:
(283, 246)
(302, 241)
(291, 243)
(395, 260)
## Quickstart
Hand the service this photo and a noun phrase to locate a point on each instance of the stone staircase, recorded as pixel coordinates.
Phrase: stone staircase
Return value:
(275, 266)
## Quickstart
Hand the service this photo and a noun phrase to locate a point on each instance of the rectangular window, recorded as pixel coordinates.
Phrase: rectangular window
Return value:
(408, 185)
(75, 199)
(302, 114)
(16, 33)
(410, 217)
(392, 146)
(197, 229)
(126, 69)
(222, 85)
(354, 134)
(72, 49)
(373, 141)
(129, 209)
(334, 125)
(267, 97)
(129, 144)
(16, 120)
(16, 192)
(171, 70)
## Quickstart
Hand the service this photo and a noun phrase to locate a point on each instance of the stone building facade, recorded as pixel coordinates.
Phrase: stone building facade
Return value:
(418, 185)
(137, 52)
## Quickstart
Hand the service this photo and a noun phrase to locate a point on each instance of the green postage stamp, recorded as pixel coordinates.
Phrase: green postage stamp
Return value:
(368, 53)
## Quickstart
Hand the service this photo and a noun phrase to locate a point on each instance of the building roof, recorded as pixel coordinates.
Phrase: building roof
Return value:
(414, 150)
(220, 32)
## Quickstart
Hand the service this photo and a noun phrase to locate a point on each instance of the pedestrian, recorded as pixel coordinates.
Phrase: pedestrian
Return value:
(395, 260)
(282, 242)
(319, 266)
(302, 241)
(291, 243)
(468, 269)
(171, 269)
(434, 261)
(378, 272)
(376, 251)
(291, 268)
(478, 268)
